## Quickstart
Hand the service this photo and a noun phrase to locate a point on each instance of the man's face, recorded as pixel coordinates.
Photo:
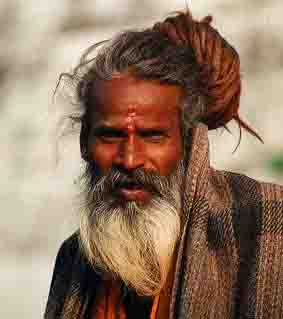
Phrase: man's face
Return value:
(136, 125)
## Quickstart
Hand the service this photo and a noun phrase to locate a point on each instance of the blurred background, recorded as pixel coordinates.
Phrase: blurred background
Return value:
(40, 39)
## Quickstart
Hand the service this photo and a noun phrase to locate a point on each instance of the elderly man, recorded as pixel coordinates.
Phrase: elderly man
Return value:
(162, 234)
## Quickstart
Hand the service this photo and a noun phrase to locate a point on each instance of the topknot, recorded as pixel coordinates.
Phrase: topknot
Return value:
(220, 79)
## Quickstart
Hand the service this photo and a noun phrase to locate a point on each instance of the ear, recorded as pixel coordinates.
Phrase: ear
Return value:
(84, 141)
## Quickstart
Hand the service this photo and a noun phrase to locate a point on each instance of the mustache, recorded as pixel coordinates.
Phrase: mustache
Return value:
(148, 180)
(115, 179)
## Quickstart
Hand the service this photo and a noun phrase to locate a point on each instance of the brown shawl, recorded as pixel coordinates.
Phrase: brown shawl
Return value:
(230, 257)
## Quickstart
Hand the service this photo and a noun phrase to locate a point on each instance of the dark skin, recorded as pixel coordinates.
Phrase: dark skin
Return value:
(136, 124)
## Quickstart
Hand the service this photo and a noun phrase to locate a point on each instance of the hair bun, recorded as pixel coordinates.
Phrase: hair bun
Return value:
(219, 62)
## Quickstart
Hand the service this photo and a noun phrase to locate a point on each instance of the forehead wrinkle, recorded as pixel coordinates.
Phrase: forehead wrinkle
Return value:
(126, 113)
(144, 103)
(116, 121)
(130, 115)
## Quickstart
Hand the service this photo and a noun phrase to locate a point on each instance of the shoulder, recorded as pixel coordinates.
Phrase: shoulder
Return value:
(68, 249)
(250, 190)
(234, 191)
(272, 192)
(65, 259)
(62, 276)
(256, 206)
(272, 210)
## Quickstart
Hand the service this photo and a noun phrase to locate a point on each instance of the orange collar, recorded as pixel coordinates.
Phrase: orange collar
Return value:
(108, 303)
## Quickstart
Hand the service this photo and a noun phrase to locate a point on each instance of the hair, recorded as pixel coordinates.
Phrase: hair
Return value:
(180, 51)
(144, 235)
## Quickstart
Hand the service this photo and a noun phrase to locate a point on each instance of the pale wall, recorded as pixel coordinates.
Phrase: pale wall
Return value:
(40, 39)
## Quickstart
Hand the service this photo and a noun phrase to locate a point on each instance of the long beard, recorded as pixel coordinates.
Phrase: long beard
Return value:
(130, 241)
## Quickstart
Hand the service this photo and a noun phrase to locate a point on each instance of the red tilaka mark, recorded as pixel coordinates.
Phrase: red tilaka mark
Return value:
(130, 120)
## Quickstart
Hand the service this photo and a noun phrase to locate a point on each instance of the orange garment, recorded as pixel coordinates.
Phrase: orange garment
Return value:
(109, 305)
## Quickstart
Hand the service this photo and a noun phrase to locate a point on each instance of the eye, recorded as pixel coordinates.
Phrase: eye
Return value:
(154, 136)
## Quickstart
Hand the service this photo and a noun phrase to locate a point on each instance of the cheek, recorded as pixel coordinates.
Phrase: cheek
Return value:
(165, 159)
(168, 162)
(102, 156)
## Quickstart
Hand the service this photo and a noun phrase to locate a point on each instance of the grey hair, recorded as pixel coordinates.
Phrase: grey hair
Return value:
(146, 54)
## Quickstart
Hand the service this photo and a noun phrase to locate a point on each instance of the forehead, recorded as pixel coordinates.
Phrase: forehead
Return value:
(126, 96)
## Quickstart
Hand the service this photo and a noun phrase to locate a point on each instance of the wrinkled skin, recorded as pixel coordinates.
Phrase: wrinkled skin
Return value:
(135, 125)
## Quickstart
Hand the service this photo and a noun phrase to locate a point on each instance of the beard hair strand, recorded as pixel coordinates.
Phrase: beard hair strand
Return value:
(132, 242)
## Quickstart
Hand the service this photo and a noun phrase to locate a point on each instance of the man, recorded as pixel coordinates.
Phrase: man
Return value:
(162, 234)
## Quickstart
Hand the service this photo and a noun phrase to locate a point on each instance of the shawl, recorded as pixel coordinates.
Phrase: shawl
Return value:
(230, 256)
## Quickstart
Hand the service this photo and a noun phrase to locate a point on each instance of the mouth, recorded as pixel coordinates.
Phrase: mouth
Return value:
(132, 191)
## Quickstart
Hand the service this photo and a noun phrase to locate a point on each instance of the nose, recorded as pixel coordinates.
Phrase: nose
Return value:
(131, 155)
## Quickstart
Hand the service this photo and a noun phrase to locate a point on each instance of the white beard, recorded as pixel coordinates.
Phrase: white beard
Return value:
(133, 243)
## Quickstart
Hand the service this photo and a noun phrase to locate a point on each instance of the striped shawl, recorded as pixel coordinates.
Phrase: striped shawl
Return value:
(230, 256)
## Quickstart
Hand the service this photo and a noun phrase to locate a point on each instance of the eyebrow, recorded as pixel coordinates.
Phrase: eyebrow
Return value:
(104, 124)
(105, 127)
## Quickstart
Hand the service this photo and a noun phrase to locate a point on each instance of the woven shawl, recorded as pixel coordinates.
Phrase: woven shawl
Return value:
(230, 255)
